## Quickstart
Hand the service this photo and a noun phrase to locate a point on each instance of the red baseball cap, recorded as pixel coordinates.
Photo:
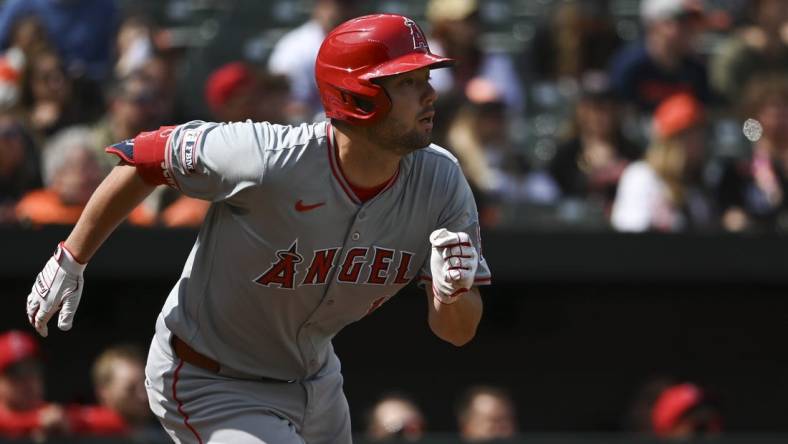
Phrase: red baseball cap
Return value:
(672, 404)
(677, 113)
(16, 346)
(226, 81)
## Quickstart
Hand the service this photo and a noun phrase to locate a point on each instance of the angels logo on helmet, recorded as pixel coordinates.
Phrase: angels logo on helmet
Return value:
(419, 41)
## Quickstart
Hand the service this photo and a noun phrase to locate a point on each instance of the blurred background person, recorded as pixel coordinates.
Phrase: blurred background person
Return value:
(576, 38)
(237, 91)
(752, 191)
(395, 417)
(162, 70)
(664, 63)
(294, 54)
(119, 382)
(27, 38)
(82, 30)
(590, 160)
(19, 165)
(134, 106)
(486, 413)
(456, 33)
(232, 92)
(71, 172)
(499, 174)
(133, 45)
(48, 96)
(685, 411)
(82, 33)
(23, 411)
(666, 190)
(759, 48)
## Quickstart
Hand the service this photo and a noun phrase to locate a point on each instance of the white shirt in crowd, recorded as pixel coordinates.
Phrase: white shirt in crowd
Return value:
(294, 56)
(643, 202)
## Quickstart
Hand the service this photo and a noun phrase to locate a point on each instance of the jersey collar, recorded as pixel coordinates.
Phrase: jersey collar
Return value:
(339, 175)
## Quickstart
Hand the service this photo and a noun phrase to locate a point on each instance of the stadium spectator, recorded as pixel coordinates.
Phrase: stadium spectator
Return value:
(28, 34)
(23, 411)
(665, 191)
(71, 173)
(27, 38)
(752, 192)
(294, 54)
(456, 33)
(497, 172)
(162, 70)
(485, 414)
(662, 64)
(237, 92)
(395, 416)
(119, 381)
(48, 96)
(576, 38)
(754, 50)
(591, 159)
(19, 165)
(135, 105)
(82, 30)
(685, 411)
(133, 45)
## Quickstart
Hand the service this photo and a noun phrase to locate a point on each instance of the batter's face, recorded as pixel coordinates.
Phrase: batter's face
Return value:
(408, 126)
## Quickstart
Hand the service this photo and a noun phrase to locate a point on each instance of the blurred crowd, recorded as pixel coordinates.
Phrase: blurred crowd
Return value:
(662, 408)
(594, 121)
(118, 376)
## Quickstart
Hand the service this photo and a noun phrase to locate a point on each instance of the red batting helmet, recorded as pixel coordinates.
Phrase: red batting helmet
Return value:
(363, 49)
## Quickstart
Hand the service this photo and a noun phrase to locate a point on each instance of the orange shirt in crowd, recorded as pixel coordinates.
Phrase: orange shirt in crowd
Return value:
(43, 207)
(185, 212)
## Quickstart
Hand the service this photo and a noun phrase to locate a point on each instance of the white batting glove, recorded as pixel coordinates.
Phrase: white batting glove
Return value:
(453, 264)
(57, 287)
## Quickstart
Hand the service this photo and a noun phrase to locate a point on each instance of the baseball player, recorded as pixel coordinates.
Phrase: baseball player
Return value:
(311, 227)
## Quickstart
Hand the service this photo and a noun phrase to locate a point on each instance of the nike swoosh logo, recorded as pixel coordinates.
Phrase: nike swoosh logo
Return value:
(301, 207)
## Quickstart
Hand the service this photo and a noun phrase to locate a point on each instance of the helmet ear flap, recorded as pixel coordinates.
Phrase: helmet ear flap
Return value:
(357, 102)
(365, 105)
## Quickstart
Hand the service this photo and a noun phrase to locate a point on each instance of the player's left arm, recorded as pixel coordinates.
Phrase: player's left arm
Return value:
(455, 267)
(455, 323)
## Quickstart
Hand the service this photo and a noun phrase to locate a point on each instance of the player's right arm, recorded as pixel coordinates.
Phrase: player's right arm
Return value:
(121, 191)
(59, 285)
(205, 160)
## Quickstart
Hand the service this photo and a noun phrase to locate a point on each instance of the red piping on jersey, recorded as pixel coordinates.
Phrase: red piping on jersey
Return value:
(331, 160)
(354, 191)
(180, 404)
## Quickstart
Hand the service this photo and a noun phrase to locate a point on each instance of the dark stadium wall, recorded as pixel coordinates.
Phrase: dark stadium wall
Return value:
(573, 345)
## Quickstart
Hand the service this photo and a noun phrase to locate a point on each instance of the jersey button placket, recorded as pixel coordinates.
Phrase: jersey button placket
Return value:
(355, 236)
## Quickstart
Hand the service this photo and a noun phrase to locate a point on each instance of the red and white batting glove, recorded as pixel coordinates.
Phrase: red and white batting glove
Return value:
(57, 287)
(453, 264)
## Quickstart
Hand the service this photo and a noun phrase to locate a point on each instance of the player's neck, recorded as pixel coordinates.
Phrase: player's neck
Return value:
(364, 163)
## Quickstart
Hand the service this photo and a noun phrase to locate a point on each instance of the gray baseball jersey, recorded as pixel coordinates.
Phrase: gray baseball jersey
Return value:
(287, 254)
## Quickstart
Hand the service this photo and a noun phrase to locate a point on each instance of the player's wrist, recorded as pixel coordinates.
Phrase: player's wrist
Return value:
(68, 261)
(447, 296)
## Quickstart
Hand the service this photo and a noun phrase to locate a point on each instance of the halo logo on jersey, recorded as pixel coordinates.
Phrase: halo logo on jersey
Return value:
(282, 271)
(419, 41)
